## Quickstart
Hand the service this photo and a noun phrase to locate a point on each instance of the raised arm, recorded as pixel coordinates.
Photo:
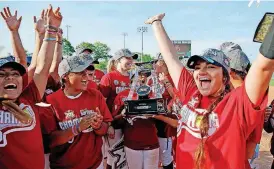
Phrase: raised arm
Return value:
(13, 24)
(39, 26)
(57, 57)
(260, 73)
(45, 55)
(166, 48)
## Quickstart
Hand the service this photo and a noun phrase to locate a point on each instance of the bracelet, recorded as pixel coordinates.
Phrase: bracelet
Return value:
(155, 21)
(49, 39)
(52, 27)
(60, 42)
(74, 130)
(78, 128)
(51, 32)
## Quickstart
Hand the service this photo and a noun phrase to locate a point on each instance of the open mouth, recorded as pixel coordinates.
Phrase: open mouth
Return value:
(10, 86)
(84, 82)
(205, 82)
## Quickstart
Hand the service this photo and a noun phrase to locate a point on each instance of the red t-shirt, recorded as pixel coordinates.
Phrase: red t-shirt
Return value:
(21, 145)
(84, 150)
(111, 84)
(142, 135)
(230, 124)
(98, 74)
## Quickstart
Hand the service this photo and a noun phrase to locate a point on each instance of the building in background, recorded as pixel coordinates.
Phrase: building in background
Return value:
(183, 48)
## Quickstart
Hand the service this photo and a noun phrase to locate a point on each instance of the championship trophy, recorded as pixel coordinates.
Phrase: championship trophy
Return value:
(150, 101)
(263, 27)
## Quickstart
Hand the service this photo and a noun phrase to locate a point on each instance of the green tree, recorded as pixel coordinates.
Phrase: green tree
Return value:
(102, 65)
(85, 45)
(101, 51)
(68, 49)
(145, 58)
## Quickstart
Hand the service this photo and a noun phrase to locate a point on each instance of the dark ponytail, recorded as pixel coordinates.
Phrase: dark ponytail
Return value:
(200, 154)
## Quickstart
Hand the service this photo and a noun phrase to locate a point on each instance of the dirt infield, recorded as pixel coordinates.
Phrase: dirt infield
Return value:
(265, 158)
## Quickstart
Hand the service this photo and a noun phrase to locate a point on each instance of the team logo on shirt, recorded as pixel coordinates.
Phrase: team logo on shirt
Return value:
(69, 115)
(191, 120)
(9, 124)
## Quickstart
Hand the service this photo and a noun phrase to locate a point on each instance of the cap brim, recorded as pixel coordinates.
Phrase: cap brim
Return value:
(16, 66)
(95, 62)
(81, 67)
(135, 56)
(192, 61)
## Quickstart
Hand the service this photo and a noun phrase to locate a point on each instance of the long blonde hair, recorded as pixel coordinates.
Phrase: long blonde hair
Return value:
(111, 65)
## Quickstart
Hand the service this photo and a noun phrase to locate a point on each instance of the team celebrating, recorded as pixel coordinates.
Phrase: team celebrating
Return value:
(60, 112)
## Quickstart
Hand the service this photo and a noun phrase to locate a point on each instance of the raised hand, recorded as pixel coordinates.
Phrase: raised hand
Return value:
(54, 18)
(39, 25)
(18, 113)
(158, 17)
(11, 20)
(59, 35)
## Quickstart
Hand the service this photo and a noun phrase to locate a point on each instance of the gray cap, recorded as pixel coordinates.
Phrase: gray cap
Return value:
(238, 59)
(124, 53)
(75, 63)
(229, 46)
(7, 62)
(212, 56)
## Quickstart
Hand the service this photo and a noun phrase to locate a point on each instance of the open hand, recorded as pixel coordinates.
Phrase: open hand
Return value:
(54, 18)
(11, 20)
(18, 113)
(156, 17)
(39, 25)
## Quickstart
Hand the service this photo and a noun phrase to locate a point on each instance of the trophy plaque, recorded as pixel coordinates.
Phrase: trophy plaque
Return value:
(263, 27)
(145, 105)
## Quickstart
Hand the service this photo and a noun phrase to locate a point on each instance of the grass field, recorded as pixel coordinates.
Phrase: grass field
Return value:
(272, 82)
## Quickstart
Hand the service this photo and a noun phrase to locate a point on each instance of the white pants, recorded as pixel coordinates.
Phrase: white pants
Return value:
(47, 161)
(109, 142)
(165, 152)
(142, 159)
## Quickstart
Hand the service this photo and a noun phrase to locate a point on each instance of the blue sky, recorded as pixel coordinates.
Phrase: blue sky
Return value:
(207, 24)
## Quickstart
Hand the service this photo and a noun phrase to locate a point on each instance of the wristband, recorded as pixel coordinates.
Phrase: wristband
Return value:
(52, 27)
(267, 47)
(74, 131)
(78, 128)
(60, 42)
(50, 39)
(155, 21)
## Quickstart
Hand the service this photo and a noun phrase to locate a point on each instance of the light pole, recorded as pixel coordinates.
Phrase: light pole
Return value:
(142, 29)
(124, 34)
(68, 26)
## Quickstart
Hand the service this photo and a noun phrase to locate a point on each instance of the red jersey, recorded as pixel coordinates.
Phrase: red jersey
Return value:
(21, 145)
(84, 150)
(98, 74)
(142, 135)
(230, 124)
(112, 84)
